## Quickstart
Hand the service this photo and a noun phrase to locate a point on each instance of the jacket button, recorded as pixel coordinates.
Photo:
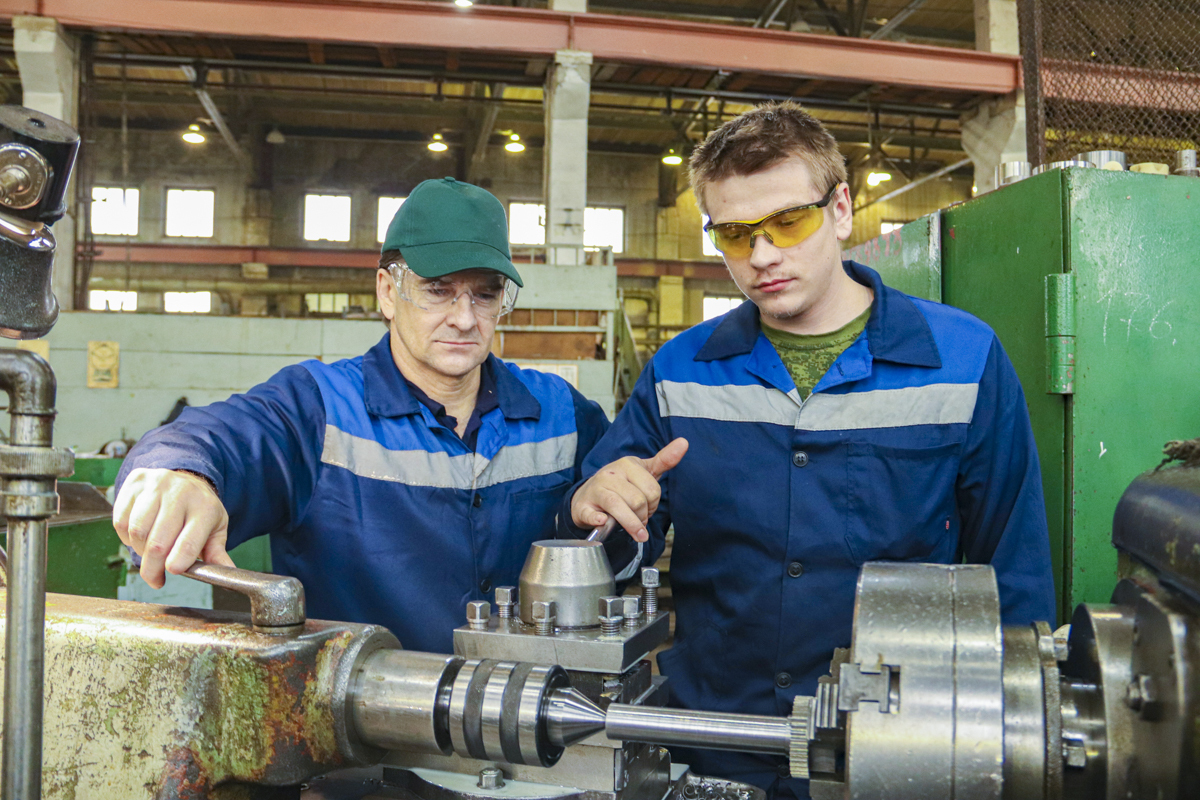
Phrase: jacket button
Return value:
(783, 771)
(485, 586)
(795, 569)
(783, 680)
(800, 458)
(478, 501)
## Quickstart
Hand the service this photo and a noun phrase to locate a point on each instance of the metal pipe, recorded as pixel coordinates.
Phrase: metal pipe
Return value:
(931, 176)
(28, 501)
(743, 733)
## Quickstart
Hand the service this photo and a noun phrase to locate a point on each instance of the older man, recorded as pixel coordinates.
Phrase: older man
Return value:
(398, 485)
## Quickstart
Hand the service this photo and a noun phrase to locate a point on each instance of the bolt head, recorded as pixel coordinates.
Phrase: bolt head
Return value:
(506, 595)
(611, 607)
(543, 611)
(632, 606)
(649, 577)
(478, 611)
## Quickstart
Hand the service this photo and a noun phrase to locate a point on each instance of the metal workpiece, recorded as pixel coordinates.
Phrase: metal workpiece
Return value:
(742, 733)
(650, 579)
(1012, 171)
(1187, 164)
(276, 601)
(571, 573)
(400, 700)
(582, 650)
(1025, 740)
(936, 629)
(209, 701)
(1115, 160)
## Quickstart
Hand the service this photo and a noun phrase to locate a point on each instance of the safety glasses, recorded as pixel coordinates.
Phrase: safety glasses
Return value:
(492, 295)
(782, 229)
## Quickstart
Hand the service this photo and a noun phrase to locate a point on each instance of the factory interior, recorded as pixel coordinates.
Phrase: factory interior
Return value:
(194, 195)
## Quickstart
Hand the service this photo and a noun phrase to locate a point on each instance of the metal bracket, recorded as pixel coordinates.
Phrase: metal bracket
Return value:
(1060, 334)
(276, 601)
(856, 686)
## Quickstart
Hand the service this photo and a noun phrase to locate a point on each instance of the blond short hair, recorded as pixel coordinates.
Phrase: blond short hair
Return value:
(762, 138)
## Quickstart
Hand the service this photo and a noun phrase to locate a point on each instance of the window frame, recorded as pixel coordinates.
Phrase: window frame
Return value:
(167, 189)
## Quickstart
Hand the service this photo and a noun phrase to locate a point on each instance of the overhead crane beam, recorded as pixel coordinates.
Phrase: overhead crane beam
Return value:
(626, 39)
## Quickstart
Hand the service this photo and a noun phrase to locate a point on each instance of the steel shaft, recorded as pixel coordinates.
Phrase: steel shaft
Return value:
(743, 733)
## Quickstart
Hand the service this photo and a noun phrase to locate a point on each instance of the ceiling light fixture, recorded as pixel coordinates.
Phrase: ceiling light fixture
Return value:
(464, 3)
(672, 158)
(514, 144)
(275, 136)
(193, 135)
(437, 145)
(876, 178)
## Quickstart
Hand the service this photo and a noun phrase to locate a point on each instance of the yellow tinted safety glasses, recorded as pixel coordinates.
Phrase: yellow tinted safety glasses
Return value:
(785, 228)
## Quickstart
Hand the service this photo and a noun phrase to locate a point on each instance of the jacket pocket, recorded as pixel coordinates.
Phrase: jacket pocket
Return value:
(902, 502)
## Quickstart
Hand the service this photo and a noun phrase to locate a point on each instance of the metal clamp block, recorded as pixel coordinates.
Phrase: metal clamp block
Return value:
(856, 686)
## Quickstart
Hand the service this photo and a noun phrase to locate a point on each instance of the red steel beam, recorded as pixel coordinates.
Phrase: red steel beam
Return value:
(225, 255)
(626, 39)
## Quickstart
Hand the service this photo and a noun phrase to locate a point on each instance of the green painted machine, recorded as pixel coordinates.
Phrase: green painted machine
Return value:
(1091, 279)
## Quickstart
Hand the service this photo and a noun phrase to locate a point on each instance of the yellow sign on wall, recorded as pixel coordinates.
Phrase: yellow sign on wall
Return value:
(103, 365)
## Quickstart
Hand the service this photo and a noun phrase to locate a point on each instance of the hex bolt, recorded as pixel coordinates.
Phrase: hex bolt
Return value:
(632, 610)
(611, 615)
(1141, 695)
(478, 612)
(650, 591)
(544, 616)
(1074, 752)
(506, 601)
(491, 778)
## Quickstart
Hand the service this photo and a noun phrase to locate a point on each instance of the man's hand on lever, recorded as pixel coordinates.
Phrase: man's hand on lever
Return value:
(170, 518)
(626, 490)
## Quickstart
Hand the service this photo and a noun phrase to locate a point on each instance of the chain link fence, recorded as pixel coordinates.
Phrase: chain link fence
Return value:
(1109, 75)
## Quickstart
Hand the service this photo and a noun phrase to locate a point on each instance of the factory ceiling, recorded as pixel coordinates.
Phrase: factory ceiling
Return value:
(147, 77)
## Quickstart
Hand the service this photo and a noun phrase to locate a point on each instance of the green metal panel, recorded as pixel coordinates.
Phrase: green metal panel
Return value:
(997, 252)
(254, 554)
(100, 472)
(909, 259)
(1134, 248)
(85, 558)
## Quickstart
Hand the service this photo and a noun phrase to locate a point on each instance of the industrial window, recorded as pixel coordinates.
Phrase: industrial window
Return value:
(602, 227)
(388, 206)
(114, 211)
(187, 302)
(716, 306)
(99, 300)
(190, 212)
(327, 217)
(327, 303)
(888, 227)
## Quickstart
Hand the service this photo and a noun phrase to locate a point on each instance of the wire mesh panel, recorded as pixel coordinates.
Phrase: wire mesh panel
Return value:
(1111, 75)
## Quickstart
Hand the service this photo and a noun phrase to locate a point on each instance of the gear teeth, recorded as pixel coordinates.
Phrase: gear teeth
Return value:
(802, 734)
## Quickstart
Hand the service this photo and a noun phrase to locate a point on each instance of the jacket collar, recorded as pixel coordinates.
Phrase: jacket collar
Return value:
(387, 394)
(896, 330)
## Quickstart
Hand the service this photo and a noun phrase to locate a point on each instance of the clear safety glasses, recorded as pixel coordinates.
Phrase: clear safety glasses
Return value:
(785, 228)
(491, 294)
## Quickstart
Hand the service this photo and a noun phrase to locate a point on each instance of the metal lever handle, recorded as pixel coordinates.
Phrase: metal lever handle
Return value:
(276, 601)
(599, 534)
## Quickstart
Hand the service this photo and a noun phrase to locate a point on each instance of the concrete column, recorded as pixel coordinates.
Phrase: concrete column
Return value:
(568, 93)
(48, 60)
(995, 132)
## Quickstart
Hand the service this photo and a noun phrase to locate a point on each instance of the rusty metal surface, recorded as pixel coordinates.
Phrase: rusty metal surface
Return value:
(150, 701)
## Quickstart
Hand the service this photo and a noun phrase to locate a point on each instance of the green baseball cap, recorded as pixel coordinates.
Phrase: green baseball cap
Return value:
(447, 226)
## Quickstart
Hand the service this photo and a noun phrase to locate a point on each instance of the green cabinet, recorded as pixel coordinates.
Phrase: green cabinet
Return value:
(1091, 279)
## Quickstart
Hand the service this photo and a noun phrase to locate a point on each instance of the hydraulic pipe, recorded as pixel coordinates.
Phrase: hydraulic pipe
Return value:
(743, 733)
(28, 501)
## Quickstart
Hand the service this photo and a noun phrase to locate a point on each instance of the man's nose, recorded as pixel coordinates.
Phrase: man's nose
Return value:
(462, 312)
(763, 252)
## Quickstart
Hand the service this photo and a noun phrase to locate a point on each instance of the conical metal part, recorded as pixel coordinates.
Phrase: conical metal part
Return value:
(572, 717)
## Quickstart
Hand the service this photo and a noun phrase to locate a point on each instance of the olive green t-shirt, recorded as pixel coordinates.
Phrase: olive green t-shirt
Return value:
(807, 357)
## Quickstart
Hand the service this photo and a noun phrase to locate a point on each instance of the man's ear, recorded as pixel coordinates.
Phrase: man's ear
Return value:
(843, 212)
(385, 292)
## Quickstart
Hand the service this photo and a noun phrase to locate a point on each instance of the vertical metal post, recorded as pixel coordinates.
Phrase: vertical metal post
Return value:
(28, 467)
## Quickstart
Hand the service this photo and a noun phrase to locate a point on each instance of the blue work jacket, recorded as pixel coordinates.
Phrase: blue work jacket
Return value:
(914, 446)
(381, 511)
